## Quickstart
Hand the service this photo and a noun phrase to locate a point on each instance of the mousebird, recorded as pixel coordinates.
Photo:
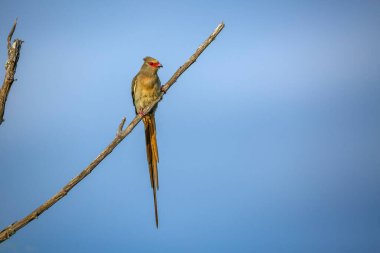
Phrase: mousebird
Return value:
(146, 87)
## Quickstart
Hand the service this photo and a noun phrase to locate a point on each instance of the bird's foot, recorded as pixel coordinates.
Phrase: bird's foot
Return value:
(141, 113)
(162, 89)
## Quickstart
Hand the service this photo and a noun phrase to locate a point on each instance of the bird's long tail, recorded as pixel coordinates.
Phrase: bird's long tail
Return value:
(152, 156)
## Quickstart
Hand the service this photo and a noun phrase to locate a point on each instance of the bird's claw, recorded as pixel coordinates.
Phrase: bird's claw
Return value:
(141, 113)
(163, 90)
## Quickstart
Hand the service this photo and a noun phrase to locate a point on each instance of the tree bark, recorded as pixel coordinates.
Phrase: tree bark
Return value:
(10, 69)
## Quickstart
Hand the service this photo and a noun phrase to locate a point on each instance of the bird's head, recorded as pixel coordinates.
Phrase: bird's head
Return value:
(152, 63)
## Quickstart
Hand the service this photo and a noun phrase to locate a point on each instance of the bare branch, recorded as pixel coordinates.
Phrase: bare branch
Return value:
(10, 69)
(10, 35)
(121, 125)
(13, 228)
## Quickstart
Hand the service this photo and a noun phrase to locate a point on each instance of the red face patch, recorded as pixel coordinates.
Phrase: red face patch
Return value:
(154, 64)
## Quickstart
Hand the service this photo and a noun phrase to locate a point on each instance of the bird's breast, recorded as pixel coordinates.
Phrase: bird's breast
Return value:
(147, 82)
(147, 90)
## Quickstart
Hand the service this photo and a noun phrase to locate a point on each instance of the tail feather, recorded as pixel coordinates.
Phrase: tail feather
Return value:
(155, 207)
(152, 156)
(153, 142)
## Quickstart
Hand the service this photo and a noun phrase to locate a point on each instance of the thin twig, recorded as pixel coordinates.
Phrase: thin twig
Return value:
(10, 69)
(10, 35)
(13, 228)
(121, 125)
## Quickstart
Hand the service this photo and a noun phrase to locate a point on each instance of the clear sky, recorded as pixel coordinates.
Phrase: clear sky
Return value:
(270, 142)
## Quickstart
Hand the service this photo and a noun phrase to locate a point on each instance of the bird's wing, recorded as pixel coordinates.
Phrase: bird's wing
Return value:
(133, 89)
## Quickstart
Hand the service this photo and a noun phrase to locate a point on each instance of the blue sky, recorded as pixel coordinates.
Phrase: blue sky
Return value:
(268, 143)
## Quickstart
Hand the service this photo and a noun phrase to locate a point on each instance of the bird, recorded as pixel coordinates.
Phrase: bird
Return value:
(145, 88)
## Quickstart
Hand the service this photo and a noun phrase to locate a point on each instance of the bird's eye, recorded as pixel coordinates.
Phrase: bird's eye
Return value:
(151, 63)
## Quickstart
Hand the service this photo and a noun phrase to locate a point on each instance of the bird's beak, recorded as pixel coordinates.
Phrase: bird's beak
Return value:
(159, 65)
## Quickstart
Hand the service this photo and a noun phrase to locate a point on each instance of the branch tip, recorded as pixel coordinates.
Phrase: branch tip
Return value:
(10, 35)
(121, 125)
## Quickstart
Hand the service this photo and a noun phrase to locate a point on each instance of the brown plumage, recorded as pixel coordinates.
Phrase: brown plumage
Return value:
(146, 87)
